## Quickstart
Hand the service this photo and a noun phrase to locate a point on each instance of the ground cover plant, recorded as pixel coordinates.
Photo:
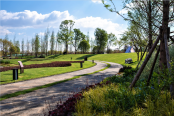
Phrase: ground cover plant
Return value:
(117, 100)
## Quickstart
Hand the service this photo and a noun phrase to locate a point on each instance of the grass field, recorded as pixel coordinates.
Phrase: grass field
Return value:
(6, 77)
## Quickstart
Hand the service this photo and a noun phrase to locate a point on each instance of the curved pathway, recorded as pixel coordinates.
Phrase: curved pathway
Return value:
(32, 104)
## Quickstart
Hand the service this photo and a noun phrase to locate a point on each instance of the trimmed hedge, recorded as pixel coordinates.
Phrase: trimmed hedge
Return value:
(58, 64)
(52, 64)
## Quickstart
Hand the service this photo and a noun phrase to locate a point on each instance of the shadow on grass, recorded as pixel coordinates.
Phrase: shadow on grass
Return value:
(88, 55)
(54, 56)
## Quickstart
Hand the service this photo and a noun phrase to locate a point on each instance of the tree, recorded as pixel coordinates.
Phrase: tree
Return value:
(37, 45)
(33, 45)
(13, 49)
(46, 34)
(77, 38)
(66, 32)
(59, 41)
(52, 42)
(92, 44)
(28, 47)
(42, 47)
(84, 46)
(101, 37)
(95, 49)
(5, 45)
(22, 47)
(146, 10)
(111, 39)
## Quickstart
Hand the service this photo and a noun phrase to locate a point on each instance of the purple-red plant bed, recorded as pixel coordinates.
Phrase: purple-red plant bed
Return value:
(68, 107)
(52, 64)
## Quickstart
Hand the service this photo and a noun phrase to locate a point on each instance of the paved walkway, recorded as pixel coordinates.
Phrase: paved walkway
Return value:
(32, 104)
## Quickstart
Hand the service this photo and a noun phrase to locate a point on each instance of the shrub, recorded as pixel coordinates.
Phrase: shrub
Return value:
(42, 56)
(7, 62)
(2, 61)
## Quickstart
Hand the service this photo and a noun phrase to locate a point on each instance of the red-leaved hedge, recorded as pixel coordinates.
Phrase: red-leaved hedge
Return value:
(53, 64)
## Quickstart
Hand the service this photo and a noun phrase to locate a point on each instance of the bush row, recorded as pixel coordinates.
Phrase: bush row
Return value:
(5, 61)
(53, 64)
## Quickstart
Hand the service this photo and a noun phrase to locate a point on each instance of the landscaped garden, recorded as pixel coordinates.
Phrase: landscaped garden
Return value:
(7, 76)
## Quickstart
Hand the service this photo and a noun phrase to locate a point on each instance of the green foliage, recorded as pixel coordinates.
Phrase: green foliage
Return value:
(95, 49)
(101, 37)
(52, 41)
(117, 99)
(42, 56)
(84, 46)
(65, 34)
(5, 61)
(13, 49)
(2, 61)
(78, 35)
(37, 44)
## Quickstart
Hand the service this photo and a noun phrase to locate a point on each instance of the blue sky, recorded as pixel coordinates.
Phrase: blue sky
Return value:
(24, 19)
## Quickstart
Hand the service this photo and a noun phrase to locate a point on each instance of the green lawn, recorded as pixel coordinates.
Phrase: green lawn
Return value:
(116, 58)
(6, 77)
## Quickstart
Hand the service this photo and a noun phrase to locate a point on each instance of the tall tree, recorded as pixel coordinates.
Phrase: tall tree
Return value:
(52, 41)
(146, 10)
(42, 46)
(22, 47)
(59, 41)
(111, 39)
(28, 47)
(17, 45)
(92, 44)
(66, 32)
(77, 38)
(46, 36)
(101, 37)
(84, 46)
(37, 45)
(87, 37)
(33, 45)
(5, 45)
(13, 49)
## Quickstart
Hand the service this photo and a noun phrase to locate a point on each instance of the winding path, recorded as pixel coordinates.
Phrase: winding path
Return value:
(32, 104)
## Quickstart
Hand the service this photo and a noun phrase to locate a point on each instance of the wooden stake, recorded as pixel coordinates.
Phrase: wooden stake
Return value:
(145, 61)
(153, 65)
(141, 57)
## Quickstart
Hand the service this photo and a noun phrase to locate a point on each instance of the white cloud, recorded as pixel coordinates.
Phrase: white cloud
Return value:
(97, 1)
(91, 23)
(31, 19)
(4, 31)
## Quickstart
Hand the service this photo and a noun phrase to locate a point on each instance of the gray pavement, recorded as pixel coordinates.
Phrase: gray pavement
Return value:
(33, 103)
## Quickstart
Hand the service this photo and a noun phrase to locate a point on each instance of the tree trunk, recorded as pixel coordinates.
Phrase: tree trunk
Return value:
(66, 47)
(150, 25)
(75, 47)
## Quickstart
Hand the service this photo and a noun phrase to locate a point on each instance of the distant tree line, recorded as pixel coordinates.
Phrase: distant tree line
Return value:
(66, 36)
